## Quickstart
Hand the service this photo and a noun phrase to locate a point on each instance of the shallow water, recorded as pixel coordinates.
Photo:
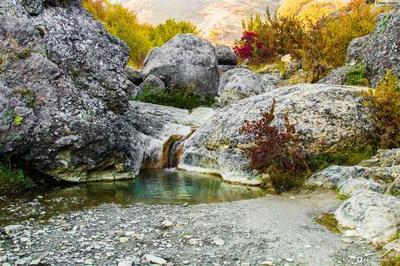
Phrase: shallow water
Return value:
(150, 187)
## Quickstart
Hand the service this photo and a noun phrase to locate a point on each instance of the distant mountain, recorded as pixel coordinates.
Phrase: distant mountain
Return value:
(218, 20)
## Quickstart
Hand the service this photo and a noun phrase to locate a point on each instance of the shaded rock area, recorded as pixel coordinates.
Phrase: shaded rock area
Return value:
(232, 233)
(186, 61)
(321, 113)
(338, 76)
(225, 55)
(378, 51)
(241, 83)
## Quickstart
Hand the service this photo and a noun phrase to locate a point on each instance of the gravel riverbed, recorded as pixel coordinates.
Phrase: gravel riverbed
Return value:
(273, 230)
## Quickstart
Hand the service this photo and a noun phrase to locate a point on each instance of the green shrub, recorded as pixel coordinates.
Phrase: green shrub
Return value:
(12, 179)
(384, 102)
(352, 154)
(357, 77)
(176, 97)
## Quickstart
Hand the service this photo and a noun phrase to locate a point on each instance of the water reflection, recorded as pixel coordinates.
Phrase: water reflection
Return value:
(161, 187)
(150, 187)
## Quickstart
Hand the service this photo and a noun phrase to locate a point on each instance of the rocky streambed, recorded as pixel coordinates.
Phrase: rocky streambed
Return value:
(274, 230)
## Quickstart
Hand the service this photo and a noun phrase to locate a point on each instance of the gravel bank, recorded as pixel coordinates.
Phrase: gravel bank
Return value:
(274, 230)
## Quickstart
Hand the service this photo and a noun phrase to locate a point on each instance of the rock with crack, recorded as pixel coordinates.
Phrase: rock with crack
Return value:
(321, 113)
(188, 62)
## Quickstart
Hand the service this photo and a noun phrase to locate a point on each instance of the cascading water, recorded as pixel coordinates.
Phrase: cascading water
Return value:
(173, 154)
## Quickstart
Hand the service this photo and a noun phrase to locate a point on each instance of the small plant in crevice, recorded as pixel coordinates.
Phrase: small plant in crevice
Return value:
(357, 77)
(12, 179)
(276, 152)
(176, 96)
(384, 101)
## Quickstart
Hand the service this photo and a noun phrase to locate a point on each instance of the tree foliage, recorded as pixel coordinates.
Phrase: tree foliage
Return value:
(384, 101)
(320, 44)
(140, 38)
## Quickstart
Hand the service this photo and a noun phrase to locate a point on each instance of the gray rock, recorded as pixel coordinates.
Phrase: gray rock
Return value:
(356, 49)
(13, 229)
(320, 112)
(186, 61)
(337, 76)
(241, 83)
(134, 75)
(352, 185)
(383, 158)
(380, 174)
(57, 128)
(225, 55)
(224, 68)
(383, 47)
(125, 263)
(155, 259)
(371, 215)
(152, 83)
(150, 54)
(392, 251)
(33, 7)
(82, 48)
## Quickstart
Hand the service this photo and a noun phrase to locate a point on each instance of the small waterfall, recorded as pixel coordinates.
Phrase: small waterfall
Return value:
(173, 154)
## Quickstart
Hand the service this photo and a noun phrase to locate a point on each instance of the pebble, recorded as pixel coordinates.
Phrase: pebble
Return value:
(167, 224)
(125, 263)
(155, 259)
(123, 239)
(218, 241)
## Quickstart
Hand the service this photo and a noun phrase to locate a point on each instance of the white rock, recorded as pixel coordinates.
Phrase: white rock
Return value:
(125, 263)
(123, 239)
(167, 224)
(218, 241)
(13, 229)
(155, 259)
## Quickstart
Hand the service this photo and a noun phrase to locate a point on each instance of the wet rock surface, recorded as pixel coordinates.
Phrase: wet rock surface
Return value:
(278, 230)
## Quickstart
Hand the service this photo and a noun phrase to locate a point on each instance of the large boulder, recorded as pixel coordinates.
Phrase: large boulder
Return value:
(322, 114)
(241, 83)
(79, 45)
(186, 61)
(370, 215)
(54, 127)
(225, 55)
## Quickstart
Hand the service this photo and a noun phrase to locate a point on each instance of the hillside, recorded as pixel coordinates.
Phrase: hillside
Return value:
(218, 20)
